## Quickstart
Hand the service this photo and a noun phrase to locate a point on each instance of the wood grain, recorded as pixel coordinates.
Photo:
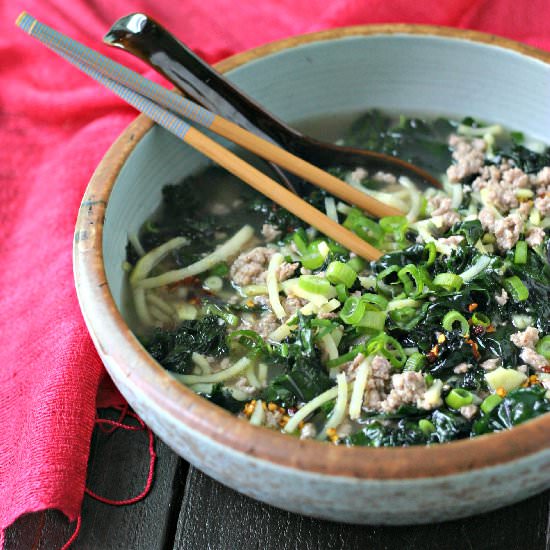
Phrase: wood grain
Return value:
(217, 518)
(117, 469)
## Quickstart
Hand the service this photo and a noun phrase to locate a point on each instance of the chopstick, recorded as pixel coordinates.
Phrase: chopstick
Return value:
(219, 125)
(108, 73)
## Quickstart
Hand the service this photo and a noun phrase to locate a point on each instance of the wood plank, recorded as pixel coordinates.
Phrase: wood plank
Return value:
(117, 469)
(246, 524)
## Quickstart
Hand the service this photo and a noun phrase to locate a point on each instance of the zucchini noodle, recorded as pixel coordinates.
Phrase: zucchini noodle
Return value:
(309, 407)
(215, 377)
(481, 264)
(140, 305)
(201, 362)
(273, 286)
(358, 391)
(257, 418)
(153, 257)
(134, 241)
(252, 378)
(161, 304)
(228, 249)
(415, 198)
(330, 208)
(339, 411)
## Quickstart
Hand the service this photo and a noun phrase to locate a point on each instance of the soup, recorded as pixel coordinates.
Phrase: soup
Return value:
(446, 336)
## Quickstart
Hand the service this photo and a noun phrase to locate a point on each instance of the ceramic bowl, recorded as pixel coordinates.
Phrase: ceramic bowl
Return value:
(397, 68)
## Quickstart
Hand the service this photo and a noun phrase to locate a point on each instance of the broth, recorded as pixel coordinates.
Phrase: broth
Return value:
(262, 315)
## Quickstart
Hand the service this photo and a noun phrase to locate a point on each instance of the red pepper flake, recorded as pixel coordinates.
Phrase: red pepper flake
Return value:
(490, 328)
(478, 330)
(195, 300)
(475, 348)
(431, 356)
(545, 369)
(472, 307)
(192, 281)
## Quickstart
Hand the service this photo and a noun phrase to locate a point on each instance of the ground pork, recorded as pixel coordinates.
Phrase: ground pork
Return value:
(532, 358)
(462, 368)
(487, 218)
(525, 208)
(286, 271)
(409, 387)
(243, 385)
(507, 231)
(345, 429)
(273, 418)
(502, 298)
(442, 213)
(384, 177)
(468, 155)
(357, 176)
(453, 240)
(515, 178)
(534, 236)
(377, 382)
(501, 185)
(291, 304)
(542, 204)
(491, 364)
(266, 324)
(308, 431)
(468, 411)
(543, 177)
(250, 267)
(351, 367)
(270, 232)
(525, 339)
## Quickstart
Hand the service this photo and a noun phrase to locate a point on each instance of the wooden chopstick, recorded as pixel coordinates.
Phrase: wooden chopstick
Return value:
(97, 67)
(216, 123)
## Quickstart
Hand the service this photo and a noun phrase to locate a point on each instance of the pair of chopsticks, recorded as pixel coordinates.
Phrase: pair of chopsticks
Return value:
(162, 106)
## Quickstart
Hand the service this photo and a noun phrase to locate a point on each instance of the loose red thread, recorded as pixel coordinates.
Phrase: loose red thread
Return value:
(113, 425)
(153, 456)
(74, 535)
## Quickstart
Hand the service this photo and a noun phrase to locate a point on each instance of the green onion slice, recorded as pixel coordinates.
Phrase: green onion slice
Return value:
(543, 347)
(480, 319)
(459, 397)
(415, 362)
(413, 281)
(340, 273)
(430, 251)
(316, 285)
(449, 281)
(490, 402)
(516, 288)
(388, 347)
(520, 253)
(453, 317)
(426, 426)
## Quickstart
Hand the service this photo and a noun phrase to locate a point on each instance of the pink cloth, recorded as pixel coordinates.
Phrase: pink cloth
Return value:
(55, 126)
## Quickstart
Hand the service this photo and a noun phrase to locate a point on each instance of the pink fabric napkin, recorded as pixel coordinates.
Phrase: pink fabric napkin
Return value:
(55, 125)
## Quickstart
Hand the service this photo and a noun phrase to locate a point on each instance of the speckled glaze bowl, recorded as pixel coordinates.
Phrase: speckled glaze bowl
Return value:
(399, 68)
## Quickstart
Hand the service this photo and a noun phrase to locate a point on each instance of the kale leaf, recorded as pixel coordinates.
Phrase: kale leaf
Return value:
(518, 406)
(399, 434)
(527, 160)
(449, 426)
(173, 348)
(422, 142)
(304, 375)
(223, 397)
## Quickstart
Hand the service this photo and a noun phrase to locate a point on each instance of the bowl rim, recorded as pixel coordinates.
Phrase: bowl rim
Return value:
(122, 352)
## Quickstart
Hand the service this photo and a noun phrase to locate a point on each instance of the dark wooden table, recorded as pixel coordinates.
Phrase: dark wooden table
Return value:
(187, 510)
